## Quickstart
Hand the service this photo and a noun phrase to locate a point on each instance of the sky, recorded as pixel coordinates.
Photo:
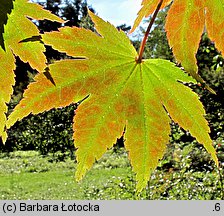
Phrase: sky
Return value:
(117, 12)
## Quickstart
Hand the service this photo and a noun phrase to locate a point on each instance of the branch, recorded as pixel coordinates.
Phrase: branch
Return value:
(142, 47)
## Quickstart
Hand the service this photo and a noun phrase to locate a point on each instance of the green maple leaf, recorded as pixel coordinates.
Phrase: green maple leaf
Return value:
(5, 9)
(143, 96)
(185, 23)
(148, 7)
(7, 63)
(18, 27)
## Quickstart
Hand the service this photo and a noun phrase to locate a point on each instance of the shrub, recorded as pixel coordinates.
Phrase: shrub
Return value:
(47, 132)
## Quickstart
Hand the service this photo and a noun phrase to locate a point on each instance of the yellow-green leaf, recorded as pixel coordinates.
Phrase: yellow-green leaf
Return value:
(19, 27)
(148, 7)
(185, 23)
(215, 22)
(5, 9)
(143, 96)
(184, 26)
(7, 81)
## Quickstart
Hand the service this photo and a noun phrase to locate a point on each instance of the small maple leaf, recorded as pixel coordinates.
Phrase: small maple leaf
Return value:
(186, 20)
(6, 8)
(122, 92)
(214, 22)
(148, 7)
(18, 28)
(185, 23)
(7, 68)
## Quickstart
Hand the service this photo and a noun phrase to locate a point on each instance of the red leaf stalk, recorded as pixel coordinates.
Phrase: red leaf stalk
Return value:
(142, 47)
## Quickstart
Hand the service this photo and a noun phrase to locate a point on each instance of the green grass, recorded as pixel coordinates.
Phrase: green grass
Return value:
(52, 184)
(27, 175)
(185, 174)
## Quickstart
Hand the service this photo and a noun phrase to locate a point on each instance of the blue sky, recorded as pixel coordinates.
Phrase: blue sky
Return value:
(117, 12)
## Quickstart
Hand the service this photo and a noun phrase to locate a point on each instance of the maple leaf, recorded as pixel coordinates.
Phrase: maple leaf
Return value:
(143, 96)
(185, 24)
(148, 7)
(7, 74)
(215, 22)
(6, 8)
(18, 28)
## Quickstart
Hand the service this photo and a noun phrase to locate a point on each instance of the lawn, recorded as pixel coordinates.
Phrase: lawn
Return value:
(53, 184)
(28, 175)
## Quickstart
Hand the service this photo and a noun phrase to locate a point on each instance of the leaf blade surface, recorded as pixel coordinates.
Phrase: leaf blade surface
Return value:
(6, 8)
(215, 22)
(19, 27)
(7, 81)
(148, 7)
(184, 25)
